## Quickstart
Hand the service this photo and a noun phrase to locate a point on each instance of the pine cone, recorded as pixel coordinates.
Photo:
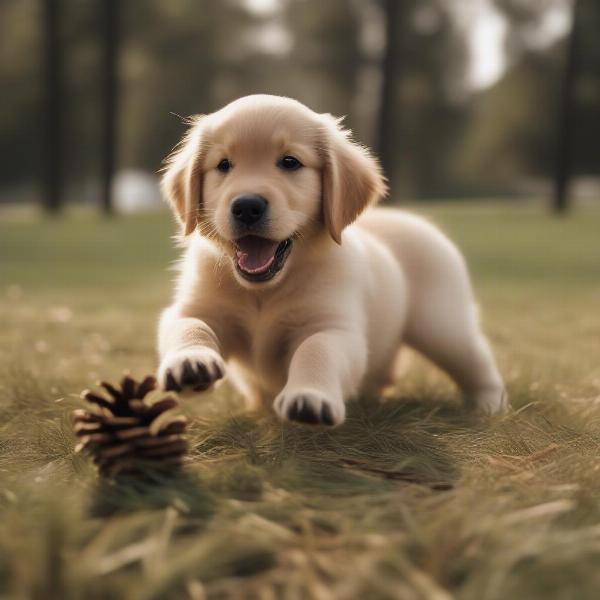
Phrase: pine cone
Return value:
(124, 433)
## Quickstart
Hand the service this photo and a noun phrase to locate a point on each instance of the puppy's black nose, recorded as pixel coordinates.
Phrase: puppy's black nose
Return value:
(248, 209)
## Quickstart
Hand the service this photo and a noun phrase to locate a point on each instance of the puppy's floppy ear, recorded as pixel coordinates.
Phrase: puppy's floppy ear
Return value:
(352, 178)
(182, 178)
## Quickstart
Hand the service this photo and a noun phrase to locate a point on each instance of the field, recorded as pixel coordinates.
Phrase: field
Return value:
(410, 499)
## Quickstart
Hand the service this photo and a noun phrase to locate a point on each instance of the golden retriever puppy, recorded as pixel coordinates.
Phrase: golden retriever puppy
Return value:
(290, 285)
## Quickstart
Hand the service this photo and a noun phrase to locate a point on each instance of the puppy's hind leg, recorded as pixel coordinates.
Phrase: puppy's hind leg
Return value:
(444, 327)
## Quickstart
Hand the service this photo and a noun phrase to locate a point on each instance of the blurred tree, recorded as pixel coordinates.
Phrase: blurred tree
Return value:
(513, 135)
(510, 135)
(433, 94)
(567, 116)
(190, 56)
(388, 117)
(587, 93)
(22, 83)
(177, 61)
(321, 67)
(83, 102)
(23, 79)
(525, 18)
(110, 82)
(53, 164)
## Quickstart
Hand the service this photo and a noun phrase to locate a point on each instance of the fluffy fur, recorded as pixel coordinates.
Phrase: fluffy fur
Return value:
(357, 285)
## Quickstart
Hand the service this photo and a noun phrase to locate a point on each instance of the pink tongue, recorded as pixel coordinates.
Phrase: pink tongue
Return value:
(255, 254)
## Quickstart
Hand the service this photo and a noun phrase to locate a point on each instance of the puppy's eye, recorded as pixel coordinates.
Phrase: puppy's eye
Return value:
(289, 163)
(224, 166)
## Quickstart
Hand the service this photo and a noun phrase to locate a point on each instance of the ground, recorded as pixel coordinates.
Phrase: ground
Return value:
(410, 499)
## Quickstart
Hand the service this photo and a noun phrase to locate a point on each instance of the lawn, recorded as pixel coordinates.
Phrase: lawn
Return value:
(410, 499)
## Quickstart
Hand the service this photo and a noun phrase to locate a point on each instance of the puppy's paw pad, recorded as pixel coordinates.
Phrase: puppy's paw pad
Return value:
(193, 370)
(310, 408)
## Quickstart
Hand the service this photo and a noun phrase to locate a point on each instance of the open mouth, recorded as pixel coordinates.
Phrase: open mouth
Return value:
(260, 259)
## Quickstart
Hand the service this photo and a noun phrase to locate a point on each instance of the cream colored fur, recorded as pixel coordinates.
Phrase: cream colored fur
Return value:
(359, 282)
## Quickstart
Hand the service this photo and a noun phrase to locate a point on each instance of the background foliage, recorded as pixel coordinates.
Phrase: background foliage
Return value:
(189, 56)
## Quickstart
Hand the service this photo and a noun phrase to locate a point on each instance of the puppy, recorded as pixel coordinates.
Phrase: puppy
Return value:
(291, 286)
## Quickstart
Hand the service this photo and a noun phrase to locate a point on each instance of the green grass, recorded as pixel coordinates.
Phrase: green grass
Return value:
(409, 499)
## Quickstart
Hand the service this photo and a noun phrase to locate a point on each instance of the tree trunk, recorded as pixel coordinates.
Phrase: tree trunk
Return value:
(110, 84)
(390, 69)
(566, 120)
(53, 144)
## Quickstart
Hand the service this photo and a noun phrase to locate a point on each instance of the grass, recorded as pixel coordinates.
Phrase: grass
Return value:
(409, 499)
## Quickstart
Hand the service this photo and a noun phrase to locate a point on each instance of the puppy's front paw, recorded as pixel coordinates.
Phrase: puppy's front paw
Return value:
(191, 369)
(310, 407)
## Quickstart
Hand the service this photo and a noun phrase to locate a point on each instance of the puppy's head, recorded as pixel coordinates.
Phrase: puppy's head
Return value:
(264, 176)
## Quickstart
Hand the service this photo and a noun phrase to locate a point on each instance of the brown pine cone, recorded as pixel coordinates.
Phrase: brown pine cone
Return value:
(125, 434)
